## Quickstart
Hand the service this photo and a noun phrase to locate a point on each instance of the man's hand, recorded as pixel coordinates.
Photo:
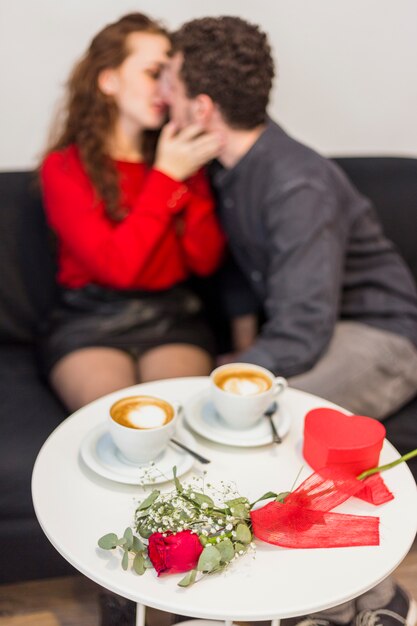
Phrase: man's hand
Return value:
(180, 154)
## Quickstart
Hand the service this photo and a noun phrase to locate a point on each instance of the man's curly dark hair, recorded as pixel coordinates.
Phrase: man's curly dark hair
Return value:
(230, 60)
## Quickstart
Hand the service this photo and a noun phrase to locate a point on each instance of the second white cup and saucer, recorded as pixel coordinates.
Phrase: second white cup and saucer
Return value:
(133, 445)
(230, 411)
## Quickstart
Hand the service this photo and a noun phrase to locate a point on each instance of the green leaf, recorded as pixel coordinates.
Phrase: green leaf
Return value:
(149, 500)
(226, 550)
(144, 531)
(282, 496)
(240, 500)
(201, 498)
(121, 541)
(139, 564)
(243, 534)
(108, 542)
(137, 544)
(240, 511)
(188, 579)
(148, 562)
(239, 547)
(128, 535)
(209, 559)
(266, 496)
(177, 483)
(125, 560)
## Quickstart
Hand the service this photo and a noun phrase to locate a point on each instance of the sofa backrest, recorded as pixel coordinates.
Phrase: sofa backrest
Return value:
(391, 185)
(27, 285)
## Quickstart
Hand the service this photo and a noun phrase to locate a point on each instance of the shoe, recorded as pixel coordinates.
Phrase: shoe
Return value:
(116, 611)
(401, 611)
(307, 620)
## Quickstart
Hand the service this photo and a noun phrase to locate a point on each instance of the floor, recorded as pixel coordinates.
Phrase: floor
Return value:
(75, 600)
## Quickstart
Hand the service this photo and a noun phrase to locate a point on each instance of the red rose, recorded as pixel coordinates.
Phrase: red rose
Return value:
(174, 553)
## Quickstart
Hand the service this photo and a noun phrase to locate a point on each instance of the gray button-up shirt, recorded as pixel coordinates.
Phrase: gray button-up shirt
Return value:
(311, 248)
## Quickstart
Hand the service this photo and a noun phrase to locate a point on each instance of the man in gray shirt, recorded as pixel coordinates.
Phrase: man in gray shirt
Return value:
(307, 253)
(339, 306)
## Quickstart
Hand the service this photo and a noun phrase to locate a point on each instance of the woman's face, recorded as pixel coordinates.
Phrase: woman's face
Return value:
(134, 85)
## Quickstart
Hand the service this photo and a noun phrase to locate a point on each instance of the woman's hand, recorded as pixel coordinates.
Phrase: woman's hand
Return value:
(180, 154)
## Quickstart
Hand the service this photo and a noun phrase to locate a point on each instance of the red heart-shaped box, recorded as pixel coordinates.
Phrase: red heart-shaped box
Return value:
(334, 438)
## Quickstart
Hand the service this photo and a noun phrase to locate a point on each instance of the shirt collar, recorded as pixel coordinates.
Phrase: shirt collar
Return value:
(222, 176)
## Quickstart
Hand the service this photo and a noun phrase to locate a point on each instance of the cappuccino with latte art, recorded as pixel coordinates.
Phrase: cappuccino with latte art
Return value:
(244, 382)
(241, 393)
(142, 412)
(141, 427)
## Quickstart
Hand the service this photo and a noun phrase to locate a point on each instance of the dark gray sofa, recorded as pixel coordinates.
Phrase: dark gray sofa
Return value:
(28, 409)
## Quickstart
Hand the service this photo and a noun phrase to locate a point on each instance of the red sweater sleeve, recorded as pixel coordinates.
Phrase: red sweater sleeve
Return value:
(203, 241)
(113, 253)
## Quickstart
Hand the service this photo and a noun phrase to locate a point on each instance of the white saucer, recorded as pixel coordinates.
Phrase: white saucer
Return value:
(101, 455)
(204, 420)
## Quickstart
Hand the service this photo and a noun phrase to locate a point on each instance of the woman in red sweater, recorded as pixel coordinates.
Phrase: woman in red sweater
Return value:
(133, 218)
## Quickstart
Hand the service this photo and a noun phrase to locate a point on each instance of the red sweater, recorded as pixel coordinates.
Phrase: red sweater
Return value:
(169, 232)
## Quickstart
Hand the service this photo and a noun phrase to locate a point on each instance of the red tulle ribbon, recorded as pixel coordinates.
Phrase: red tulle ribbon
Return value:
(304, 520)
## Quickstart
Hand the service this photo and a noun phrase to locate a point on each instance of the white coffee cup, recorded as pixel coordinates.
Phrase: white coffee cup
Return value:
(241, 392)
(141, 426)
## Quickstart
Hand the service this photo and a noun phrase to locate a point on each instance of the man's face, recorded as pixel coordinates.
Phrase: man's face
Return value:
(174, 94)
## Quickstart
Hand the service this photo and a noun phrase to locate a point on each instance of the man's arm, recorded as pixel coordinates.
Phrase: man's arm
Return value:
(306, 239)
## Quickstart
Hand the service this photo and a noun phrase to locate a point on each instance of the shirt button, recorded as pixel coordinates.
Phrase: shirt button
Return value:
(256, 276)
(228, 203)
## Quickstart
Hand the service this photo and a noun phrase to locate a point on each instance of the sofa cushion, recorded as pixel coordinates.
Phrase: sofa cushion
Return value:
(29, 413)
(27, 286)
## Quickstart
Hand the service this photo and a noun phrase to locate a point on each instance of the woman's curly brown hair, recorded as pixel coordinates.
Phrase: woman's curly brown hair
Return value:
(230, 60)
(89, 115)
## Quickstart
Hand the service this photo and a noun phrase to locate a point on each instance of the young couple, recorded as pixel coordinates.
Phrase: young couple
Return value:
(135, 216)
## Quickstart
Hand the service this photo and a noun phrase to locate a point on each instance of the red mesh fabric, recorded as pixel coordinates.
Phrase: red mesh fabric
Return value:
(295, 527)
(304, 520)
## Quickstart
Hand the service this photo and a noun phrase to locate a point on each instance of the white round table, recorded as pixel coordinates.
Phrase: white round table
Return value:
(75, 507)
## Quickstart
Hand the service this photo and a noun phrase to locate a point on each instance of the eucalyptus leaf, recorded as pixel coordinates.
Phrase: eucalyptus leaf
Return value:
(149, 500)
(144, 531)
(137, 544)
(243, 534)
(209, 559)
(108, 542)
(121, 541)
(201, 498)
(239, 547)
(240, 511)
(139, 564)
(226, 550)
(188, 579)
(147, 562)
(125, 560)
(240, 500)
(128, 535)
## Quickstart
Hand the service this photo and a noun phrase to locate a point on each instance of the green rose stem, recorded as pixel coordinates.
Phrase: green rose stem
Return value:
(382, 468)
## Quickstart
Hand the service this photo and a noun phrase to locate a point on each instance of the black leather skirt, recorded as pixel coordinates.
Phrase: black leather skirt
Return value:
(132, 321)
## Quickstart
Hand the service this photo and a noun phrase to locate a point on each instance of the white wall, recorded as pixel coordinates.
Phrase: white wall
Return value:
(347, 68)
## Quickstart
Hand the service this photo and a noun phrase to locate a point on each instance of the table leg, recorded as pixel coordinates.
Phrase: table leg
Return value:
(140, 614)
(228, 622)
(275, 622)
